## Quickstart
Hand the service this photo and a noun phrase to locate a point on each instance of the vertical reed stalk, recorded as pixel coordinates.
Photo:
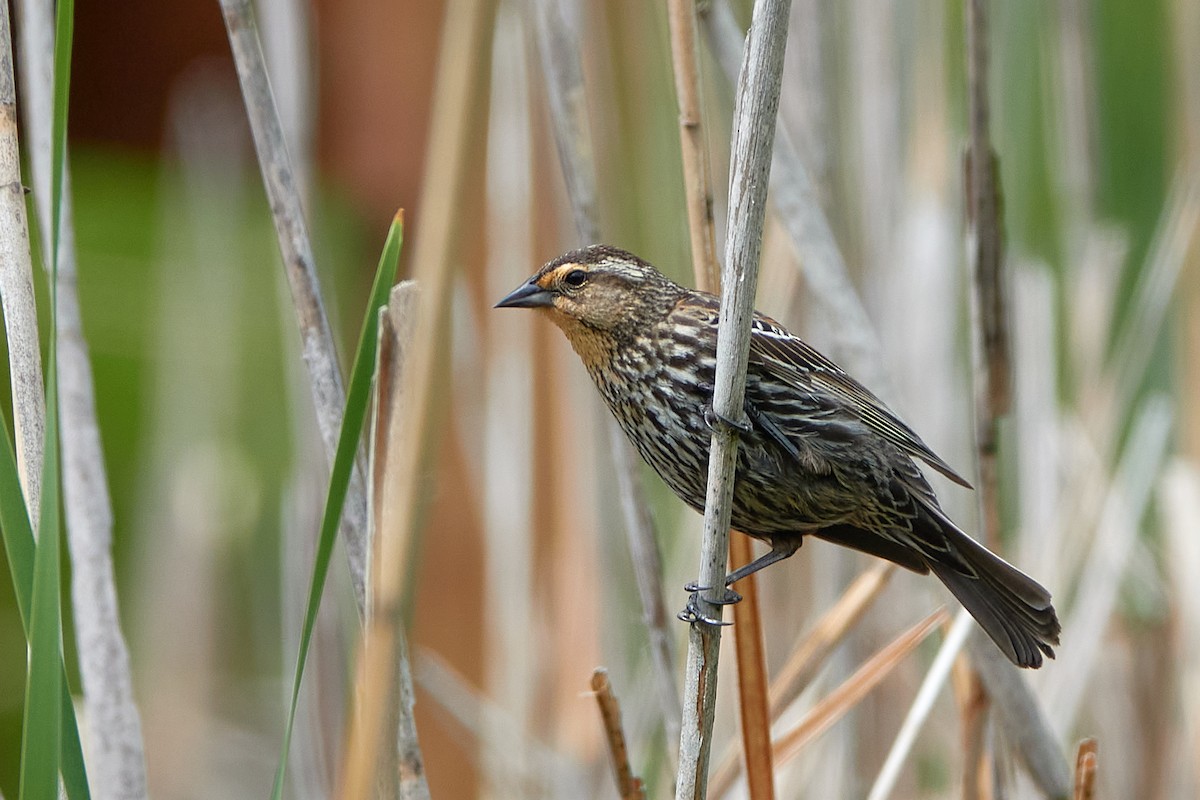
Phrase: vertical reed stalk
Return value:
(753, 137)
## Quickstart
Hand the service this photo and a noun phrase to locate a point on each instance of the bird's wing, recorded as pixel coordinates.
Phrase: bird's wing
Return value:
(788, 358)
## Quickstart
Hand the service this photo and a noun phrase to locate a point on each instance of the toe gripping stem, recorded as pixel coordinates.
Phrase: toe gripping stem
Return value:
(712, 419)
(692, 614)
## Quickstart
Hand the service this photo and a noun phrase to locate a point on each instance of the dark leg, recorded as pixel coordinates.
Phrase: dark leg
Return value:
(779, 551)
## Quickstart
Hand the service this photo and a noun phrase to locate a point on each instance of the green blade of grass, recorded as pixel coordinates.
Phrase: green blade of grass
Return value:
(17, 534)
(42, 730)
(357, 398)
(50, 738)
(64, 33)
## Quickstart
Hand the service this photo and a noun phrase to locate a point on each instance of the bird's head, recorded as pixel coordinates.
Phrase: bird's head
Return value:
(599, 296)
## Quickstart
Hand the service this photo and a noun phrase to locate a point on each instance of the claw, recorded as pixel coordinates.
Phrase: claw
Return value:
(727, 599)
(691, 613)
(711, 417)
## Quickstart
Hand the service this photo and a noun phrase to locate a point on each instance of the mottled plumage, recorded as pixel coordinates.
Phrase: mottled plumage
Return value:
(822, 455)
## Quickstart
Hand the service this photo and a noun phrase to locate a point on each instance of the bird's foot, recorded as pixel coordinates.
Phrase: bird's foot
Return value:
(727, 599)
(692, 614)
(711, 418)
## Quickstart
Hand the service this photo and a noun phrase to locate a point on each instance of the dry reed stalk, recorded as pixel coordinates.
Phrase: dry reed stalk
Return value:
(986, 255)
(973, 710)
(466, 46)
(841, 700)
(286, 29)
(558, 47)
(403, 775)
(751, 677)
(628, 786)
(697, 177)
(511, 493)
(698, 191)
(118, 764)
(753, 137)
(992, 379)
(287, 212)
(16, 291)
(922, 704)
(287, 38)
(1085, 770)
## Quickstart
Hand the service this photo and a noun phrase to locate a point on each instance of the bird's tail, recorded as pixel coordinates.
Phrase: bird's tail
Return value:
(1013, 609)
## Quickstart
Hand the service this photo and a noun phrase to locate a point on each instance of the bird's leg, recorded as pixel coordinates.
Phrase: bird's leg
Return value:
(691, 612)
(780, 549)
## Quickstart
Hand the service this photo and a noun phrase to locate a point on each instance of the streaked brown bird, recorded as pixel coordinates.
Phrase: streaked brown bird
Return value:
(819, 455)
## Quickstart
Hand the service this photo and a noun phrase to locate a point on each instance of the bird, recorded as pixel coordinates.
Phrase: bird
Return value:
(819, 455)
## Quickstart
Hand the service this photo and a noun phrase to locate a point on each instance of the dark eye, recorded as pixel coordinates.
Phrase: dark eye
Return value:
(575, 278)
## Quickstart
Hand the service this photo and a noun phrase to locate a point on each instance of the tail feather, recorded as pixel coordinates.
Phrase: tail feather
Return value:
(1012, 608)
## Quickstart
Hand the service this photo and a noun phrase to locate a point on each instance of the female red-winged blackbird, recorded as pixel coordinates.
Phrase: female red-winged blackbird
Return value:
(820, 454)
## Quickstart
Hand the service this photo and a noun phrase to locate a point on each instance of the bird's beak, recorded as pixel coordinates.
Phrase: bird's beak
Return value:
(527, 295)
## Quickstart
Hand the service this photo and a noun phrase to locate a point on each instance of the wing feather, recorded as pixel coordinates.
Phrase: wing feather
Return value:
(790, 359)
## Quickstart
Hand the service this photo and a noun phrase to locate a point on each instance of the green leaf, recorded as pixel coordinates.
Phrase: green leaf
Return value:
(41, 740)
(50, 740)
(17, 534)
(357, 399)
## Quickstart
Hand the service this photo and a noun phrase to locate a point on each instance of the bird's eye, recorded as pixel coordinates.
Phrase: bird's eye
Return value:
(575, 278)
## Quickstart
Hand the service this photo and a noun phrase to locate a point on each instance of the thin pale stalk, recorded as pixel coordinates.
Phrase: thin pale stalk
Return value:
(753, 136)
(466, 46)
(114, 723)
(921, 706)
(16, 289)
(628, 786)
(287, 44)
(509, 495)
(319, 353)
(405, 777)
(558, 46)
(698, 192)
(286, 27)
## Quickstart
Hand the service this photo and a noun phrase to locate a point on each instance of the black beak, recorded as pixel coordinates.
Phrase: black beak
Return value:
(527, 295)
